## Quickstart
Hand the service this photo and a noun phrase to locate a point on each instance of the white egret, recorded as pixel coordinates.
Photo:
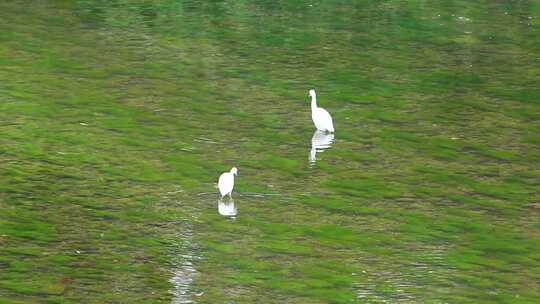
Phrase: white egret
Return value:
(226, 182)
(321, 118)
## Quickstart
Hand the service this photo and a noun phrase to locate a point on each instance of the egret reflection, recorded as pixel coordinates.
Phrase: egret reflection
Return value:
(319, 142)
(227, 208)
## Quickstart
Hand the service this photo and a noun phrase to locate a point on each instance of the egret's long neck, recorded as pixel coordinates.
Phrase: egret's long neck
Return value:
(313, 102)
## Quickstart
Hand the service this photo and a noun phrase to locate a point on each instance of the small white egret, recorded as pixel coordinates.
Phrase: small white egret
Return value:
(226, 182)
(321, 118)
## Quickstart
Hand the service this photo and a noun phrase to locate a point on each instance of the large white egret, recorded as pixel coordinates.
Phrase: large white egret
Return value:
(321, 118)
(226, 182)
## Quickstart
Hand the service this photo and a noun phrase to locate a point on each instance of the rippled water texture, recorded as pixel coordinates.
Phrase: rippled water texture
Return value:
(117, 117)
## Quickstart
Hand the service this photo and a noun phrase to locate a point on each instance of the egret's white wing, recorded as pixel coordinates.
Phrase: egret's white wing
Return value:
(322, 120)
(226, 183)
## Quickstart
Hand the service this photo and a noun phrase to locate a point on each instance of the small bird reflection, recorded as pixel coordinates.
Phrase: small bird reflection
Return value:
(227, 208)
(319, 142)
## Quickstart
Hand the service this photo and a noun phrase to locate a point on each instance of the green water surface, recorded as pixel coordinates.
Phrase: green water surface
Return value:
(117, 117)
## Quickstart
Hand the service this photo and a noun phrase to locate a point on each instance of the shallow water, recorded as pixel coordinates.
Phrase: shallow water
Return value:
(117, 117)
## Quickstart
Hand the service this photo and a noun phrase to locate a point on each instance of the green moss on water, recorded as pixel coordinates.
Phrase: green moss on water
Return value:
(117, 119)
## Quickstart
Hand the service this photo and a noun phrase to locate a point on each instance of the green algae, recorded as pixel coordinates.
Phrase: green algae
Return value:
(117, 117)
